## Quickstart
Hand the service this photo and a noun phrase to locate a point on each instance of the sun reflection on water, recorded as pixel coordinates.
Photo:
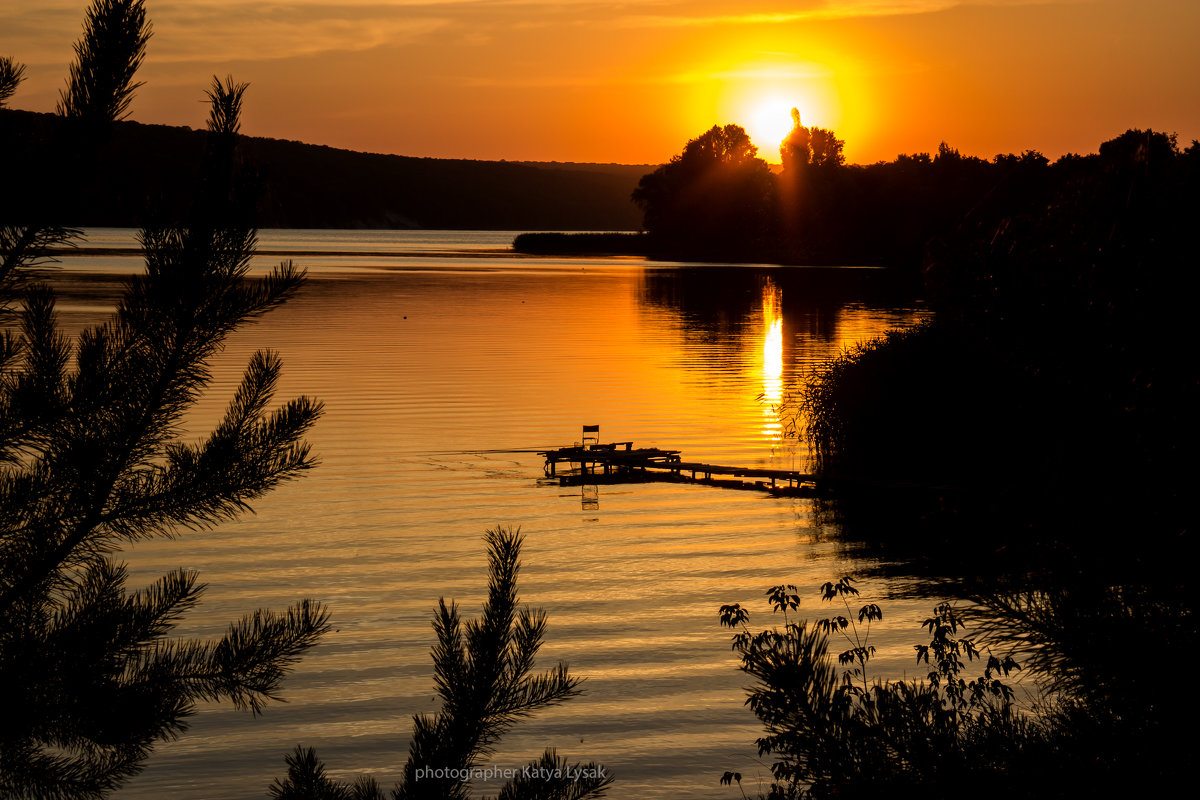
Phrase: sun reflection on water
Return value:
(772, 360)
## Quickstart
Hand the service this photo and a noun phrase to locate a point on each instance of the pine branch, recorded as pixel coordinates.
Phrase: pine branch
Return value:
(127, 396)
(33, 394)
(552, 778)
(30, 773)
(449, 657)
(152, 612)
(528, 634)
(258, 650)
(225, 102)
(107, 57)
(25, 247)
(306, 779)
(482, 673)
(11, 75)
(535, 692)
(200, 487)
(89, 460)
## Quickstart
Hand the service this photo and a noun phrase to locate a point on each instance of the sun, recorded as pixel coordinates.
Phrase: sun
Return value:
(769, 123)
(759, 95)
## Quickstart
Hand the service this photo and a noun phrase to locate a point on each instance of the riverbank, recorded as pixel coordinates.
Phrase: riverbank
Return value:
(582, 244)
(1045, 417)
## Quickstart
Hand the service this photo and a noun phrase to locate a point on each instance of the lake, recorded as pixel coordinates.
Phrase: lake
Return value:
(444, 363)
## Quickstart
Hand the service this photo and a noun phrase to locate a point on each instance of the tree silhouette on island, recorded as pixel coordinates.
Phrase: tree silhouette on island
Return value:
(714, 200)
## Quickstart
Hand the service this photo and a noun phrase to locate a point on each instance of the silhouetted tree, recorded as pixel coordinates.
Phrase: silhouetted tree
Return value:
(107, 58)
(90, 461)
(11, 75)
(483, 673)
(815, 199)
(148, 170)
(847, 735)
(1052, 372)
(796, 148)
(804, 147)
(826, 149)
(713, 201)
(98, 93)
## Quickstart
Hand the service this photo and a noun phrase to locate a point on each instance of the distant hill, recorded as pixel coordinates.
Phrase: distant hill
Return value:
(147, 172)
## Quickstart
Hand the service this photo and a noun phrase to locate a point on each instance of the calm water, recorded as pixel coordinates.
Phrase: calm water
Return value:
(442, 363)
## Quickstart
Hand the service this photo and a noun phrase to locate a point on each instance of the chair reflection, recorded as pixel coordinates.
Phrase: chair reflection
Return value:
(590, 497)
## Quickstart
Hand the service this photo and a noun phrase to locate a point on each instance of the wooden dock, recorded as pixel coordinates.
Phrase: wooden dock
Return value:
(621, 462)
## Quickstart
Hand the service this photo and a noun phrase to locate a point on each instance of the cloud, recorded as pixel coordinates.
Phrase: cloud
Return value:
(765, 14)
(233, 29)
(790, 72)
(223, 30)
(270, 33)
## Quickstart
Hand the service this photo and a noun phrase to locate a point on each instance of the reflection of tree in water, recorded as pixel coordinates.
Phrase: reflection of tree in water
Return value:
(715, 305)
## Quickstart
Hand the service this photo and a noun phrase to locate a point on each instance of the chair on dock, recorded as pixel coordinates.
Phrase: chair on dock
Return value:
(591, 437)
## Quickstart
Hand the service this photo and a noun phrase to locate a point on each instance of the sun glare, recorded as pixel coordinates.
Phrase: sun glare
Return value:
(760, 94)
(769, 124)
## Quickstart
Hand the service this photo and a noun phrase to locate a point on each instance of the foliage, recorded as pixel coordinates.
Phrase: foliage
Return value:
(149, 167)
(810, 147)
(846, 736)
(842, 426)
(714, 199)
(484, 678)
(307, 780)
(107, 57)
(1078, 634)
(11, 75)
(1045, 411)
(1049, 368)
(90, 460)
(820, 211)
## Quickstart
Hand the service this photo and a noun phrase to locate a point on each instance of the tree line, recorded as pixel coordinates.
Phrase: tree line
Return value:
(144, 170)
(718, 201)
(1030, 449)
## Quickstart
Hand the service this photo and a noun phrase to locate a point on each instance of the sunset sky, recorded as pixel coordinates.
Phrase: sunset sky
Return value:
(582, 80)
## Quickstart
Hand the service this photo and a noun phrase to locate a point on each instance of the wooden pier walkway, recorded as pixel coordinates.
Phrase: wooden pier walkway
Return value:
(620, 462)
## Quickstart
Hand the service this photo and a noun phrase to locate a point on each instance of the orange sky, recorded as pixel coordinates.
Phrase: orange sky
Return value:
(578, 80)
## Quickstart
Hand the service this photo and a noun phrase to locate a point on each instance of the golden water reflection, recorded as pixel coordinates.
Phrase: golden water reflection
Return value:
(772, 360)
(440, 384)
